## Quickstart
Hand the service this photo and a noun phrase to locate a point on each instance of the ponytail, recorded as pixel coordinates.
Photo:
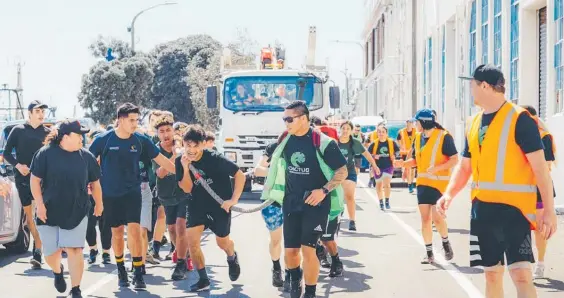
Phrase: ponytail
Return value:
(437, 125)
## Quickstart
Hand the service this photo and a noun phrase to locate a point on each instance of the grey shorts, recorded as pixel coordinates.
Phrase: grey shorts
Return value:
(54, 238)
(146, 206)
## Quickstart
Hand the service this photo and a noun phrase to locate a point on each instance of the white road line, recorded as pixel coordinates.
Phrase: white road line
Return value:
(462, 281)
(100, 283)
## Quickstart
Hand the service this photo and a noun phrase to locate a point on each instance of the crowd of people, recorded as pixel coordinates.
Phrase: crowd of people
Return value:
(168, 175)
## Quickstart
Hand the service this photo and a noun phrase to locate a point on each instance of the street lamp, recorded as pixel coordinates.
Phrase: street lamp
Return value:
(131, 28)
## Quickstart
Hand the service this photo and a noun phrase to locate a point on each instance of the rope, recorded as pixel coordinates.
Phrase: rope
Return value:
(219, 200)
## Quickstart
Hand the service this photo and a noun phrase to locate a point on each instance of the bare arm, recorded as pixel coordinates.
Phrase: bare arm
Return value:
(165, 163)
(35, 185)
(186, 183)
(459, 178)
(451, 162)
(338, 178)
(370, 159)
(238, 185)
(261, 170)
(96, 192)
(542, 175)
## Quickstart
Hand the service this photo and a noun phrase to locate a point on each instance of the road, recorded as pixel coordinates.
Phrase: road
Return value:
(381, 260)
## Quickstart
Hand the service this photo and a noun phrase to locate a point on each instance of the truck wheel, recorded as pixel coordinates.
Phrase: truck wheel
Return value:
(21, 244)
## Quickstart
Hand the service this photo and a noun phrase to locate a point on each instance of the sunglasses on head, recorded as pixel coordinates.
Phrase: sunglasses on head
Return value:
(290, 119)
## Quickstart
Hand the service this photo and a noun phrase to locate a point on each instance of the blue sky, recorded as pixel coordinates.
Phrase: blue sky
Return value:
(51, 37)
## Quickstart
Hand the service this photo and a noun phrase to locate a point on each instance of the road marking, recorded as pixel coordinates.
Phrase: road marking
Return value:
(100, 283)
(462, 281)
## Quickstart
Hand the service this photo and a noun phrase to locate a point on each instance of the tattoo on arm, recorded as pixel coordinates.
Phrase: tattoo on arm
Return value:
(340, 176)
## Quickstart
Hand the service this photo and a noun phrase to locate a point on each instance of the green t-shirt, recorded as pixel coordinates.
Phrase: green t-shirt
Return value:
(349, 150)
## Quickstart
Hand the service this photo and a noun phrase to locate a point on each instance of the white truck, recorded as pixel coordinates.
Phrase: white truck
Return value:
(251, 101)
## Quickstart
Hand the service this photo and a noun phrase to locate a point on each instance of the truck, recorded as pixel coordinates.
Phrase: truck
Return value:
(251, 100)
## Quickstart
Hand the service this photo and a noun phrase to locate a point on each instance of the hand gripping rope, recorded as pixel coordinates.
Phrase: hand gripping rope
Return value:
(219, 200)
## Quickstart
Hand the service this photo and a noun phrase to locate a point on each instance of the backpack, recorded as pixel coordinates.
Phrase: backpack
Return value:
(315, 136)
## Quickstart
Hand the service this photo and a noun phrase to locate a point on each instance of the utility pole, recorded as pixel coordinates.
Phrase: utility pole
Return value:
(131, 29)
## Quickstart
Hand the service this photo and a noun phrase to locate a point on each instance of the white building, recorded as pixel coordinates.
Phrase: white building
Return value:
(452, 37)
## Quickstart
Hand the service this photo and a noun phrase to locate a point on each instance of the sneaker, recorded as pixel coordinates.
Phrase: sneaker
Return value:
(174, 257)
(449, 253)
(234, 268)
(35, 260)
(539, 271)
(180, 271)
(169, 255)
(428, 260)
(75, 293)
(92, 257)
(322, 256)
(201, 285)
(336, 269)
(296, 288)
(106, 258)
(60, 283)
(277, 280)
(388, 204)
(150, 258)
(138, 282)
(123, 279)
(164, 241)
(410, 186)
(143, 270)
(382, 205)
(352, 225)
(189, 264)
(309, 295)
(287, 281)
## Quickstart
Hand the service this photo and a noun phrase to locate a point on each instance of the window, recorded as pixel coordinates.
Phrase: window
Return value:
(485, 31)
(443, 70)
(558, 42)
(514, 52)
(497, 33)
(472, 47)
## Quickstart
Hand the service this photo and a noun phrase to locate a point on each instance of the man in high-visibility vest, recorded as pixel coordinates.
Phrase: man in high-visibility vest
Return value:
(504, 155)
(405, 139)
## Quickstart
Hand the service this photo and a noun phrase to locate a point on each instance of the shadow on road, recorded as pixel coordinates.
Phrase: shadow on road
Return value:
(347, 253)
(350, 282)
(7, 258)
(344, 233)
(468, 270)
(555, 285)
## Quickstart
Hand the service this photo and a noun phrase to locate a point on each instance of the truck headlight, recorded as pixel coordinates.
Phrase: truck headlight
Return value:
(231, 156)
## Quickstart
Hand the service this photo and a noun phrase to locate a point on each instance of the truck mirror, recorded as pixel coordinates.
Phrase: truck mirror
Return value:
(334, 97)
(211, 97)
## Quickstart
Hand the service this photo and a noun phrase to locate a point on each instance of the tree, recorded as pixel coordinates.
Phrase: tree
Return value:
(244, 49)
(120, 48)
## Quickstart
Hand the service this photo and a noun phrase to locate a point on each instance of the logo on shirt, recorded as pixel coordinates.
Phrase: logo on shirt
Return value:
(318, 229)
(345, 152)
(482, 134)
(383, 151)
(296, 160)
(209, 181)
(132, 149)
(114, 148)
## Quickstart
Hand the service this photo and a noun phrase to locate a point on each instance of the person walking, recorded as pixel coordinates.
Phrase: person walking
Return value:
(62, 212)
(503, 154)
(26, 139)
(405, 139)
(383, 150)
(120, 151)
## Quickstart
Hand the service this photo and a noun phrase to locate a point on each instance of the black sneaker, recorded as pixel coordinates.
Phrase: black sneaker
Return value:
(449, 253)
(170, 253)
(180, 270)
(296, 288)
(322, 256)
(234, 268)
(106, 258)
(387, 203)
(201, 285)
(35, 260)
(164, 240)
(428, 260)
(92, 257)
(352, 225)
(277, 280)
(75, 293)
(287, 281)
(143, 270)
(153, 257)
(382, 205)
(138, 282)
(60, 283)
(336, 269)
(309, 295)
(123, 279)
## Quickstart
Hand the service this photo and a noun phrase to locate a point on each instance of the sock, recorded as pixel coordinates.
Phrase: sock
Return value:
(137, 264)
(335, 258)
(387, 200)
(202, 273)
(445, 239)
(310, 289)
(429, 248)
(276, 265)
(120, 262)
(156, 246)
(295, 274)
(75, 289)
(232, 258)
(172, 247)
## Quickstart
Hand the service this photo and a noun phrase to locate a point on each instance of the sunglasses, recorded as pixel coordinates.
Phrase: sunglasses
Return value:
(290, 119)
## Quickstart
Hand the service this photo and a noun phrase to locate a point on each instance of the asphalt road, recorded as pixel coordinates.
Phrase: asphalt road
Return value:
(381, 260)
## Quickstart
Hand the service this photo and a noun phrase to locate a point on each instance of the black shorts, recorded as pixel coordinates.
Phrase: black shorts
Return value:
(502, 233)
(122, 210)
(179, 210)
(210, 215)
(24, 191)
(305, 227)
(331, 229)
(427, 195)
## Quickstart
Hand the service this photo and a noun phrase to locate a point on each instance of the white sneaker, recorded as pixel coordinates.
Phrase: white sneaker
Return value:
(539, 271)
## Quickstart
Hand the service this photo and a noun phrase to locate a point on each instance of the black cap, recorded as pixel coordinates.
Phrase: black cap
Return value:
(36, 104)
(488, 73)
(70, 125)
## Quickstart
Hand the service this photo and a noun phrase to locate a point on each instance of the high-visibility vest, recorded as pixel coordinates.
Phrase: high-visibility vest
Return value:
(502, 174)
(390, 147)
(406, 140)
(432, 155)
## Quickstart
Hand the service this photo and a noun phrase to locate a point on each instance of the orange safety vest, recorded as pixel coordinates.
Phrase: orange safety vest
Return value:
(406, 140)
(502, 174)
(431, 155)
(390, 147)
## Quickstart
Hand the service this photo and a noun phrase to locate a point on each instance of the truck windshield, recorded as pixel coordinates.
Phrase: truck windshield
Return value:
(269, 93)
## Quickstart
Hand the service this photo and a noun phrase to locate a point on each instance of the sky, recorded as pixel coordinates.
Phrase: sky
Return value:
(51, 38)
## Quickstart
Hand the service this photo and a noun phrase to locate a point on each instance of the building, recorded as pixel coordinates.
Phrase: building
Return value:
(523, 37)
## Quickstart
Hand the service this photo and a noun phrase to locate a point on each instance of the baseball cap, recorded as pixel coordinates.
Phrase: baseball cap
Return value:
(488, 73)
(424, 115)
(36, 104)
(68, 126)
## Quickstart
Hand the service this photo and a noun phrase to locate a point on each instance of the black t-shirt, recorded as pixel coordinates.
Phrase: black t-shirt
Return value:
(269, 150)
(26, 140)
(64, 181)
(168, 190)
(217, 170)
(527, 137)
(385, 161)
(303, 172)
(409, 133)
(547, 144)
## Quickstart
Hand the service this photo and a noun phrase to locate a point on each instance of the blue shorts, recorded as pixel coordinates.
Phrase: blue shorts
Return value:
(273, 217)
(352, 177)
(54, 238)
